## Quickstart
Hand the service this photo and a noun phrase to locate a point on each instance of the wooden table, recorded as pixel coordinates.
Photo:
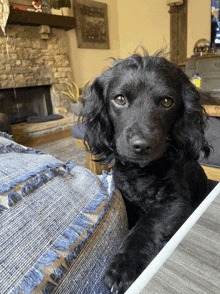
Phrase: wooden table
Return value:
(212, 110)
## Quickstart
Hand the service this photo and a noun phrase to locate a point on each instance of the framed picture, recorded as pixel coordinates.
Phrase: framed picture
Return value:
(92, 24)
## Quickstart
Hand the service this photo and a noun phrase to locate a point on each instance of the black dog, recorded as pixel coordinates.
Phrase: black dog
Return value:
(144, 115)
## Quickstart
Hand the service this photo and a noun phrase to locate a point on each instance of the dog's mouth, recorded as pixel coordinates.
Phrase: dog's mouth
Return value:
(142, 159)
(142, 162)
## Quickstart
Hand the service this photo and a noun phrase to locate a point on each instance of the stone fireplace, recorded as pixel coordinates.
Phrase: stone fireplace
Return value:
(34, 56)
(34, 69)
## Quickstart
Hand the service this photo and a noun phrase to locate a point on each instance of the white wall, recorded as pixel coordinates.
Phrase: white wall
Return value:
(148, 22)
(145, 21)
(199, 22)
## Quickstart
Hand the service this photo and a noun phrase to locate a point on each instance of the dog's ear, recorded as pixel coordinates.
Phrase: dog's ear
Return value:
(99, 131)
(190, 128)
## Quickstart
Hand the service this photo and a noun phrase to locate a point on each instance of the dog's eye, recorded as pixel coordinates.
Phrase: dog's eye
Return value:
(120, 100)
(166, 102)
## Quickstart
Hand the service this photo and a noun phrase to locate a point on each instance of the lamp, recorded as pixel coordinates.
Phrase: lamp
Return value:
(174, 2)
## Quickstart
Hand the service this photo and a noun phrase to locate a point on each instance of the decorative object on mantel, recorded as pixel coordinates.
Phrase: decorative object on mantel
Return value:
(37, 5)
(19, 8)
(92, 24)
(21, 5)
(56, 11)
(54, 7)
(4, 13)
(64, 6)
(45, 6)
(54, 4)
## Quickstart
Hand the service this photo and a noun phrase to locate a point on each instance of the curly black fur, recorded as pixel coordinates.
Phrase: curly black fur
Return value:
(144, 115)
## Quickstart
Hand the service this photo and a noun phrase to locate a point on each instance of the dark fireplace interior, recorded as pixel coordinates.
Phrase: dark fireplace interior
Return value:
(20, 103)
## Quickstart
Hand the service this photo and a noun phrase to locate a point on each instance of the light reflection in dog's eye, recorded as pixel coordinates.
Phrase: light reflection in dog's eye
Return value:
(120, 100)
(166, 102)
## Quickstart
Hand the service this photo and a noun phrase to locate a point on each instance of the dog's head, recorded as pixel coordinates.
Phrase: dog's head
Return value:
(142, 107)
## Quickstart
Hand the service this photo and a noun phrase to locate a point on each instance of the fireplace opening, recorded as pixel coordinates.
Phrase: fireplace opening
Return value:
(20, 103)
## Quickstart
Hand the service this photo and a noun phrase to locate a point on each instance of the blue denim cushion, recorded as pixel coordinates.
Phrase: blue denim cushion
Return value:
(60, 224)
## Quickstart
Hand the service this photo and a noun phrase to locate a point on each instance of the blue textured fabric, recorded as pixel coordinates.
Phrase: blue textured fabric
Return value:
(5, 135)
(15, 169)
(60, 224)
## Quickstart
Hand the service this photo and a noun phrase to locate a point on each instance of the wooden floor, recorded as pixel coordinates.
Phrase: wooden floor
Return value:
(64, 150)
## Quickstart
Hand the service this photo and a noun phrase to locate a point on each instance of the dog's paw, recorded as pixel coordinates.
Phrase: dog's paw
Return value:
(122, 272)
(115, 284)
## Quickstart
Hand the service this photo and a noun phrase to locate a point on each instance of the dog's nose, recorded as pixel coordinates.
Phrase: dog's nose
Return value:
(139, 144)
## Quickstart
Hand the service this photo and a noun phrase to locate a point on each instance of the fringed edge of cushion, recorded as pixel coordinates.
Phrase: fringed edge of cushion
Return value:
(50, 172)
(81, 226)
(18, 149)
(6, 135)
(6, 187)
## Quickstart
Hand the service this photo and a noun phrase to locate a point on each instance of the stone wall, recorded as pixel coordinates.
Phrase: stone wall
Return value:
(34, 56)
